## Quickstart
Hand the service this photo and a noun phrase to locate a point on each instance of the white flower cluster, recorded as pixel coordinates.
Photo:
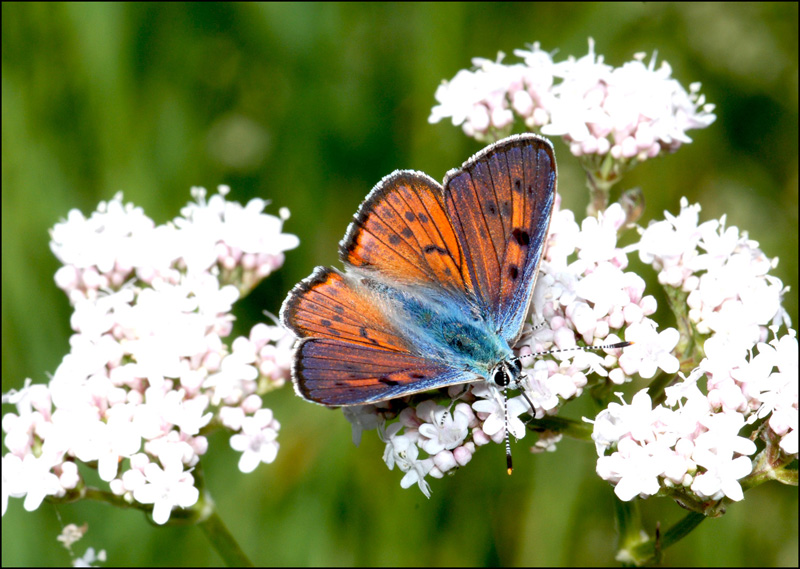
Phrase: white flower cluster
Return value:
(634, 111)
(148, 370)
(694, 441)
(583, 294)
(667, 445)
(725, 275)
(118, 241)
(435, 430)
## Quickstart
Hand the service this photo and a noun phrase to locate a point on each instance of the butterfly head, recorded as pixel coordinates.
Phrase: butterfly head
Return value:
(506, 373)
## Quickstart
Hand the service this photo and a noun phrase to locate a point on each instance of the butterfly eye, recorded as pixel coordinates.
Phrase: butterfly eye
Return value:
(500, 376)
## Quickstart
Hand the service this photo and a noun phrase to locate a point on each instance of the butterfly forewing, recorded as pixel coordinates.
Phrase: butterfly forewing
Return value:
(500, 203)
(327, 305)
(403, 232)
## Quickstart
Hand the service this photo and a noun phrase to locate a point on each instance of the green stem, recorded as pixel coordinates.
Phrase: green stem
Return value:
(601, 174)
(681, 529)
(599, 190)
(629, 523)
(688, 350)
(91, 493)
(206, 516)
(770, 464)
(223, 541)
(575, 429)
(656, 388)
(647, 552)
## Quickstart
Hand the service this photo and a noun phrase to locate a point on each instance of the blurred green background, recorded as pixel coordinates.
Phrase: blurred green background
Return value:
(309, 106)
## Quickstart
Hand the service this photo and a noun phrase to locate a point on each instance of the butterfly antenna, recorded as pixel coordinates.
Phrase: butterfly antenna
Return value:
(509, 465)
(581, 348)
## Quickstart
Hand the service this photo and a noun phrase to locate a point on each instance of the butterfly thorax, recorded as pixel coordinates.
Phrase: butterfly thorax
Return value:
(441, 328)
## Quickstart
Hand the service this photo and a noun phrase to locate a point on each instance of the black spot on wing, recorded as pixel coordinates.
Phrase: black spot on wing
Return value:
(435, 249)
(521, 236)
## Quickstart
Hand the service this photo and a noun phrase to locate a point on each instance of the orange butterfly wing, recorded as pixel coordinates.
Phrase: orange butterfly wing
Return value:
(500, 203)
(403, 231)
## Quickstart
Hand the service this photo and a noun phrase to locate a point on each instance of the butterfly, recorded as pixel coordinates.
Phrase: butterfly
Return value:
(437, 284)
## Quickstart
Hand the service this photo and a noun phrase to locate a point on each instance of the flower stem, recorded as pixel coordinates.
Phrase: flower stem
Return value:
(635, 548)
(648, 552)
(601, 175)
(631, 536)
(599, 190)
(770, 464)
(569, 427)
(688, 350)
(223, 541)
